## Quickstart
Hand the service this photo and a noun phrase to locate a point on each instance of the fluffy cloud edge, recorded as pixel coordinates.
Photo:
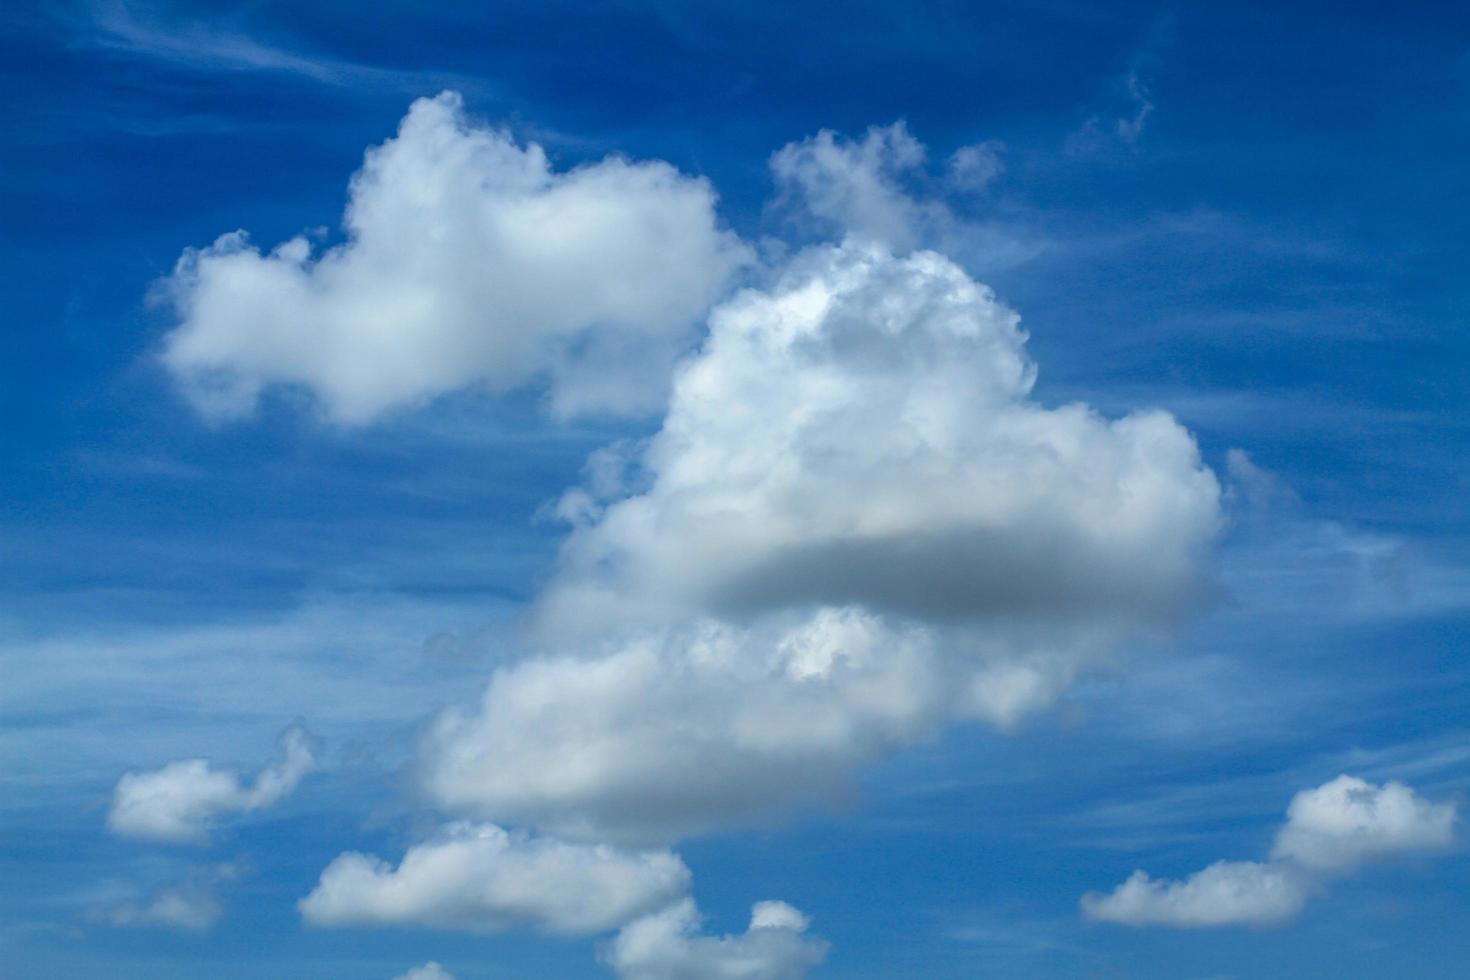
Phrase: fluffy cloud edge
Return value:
(1330, 830)
(179, 803)
(468, 262)
(668, 945)
(482, 878)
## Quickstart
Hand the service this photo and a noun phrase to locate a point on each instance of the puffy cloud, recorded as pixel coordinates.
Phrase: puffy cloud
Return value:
(711, 725)
(879, 189)
(178, 803)
(863, 433)
(1225, 893)
(973, 167)
(666, 946)
(484, 879)
(853, 527)
(1330, 829)
(468, 261)
(1349, 821)
(429, 971)
(855, 187)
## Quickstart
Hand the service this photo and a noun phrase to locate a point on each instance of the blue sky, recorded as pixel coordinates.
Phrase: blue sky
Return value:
(1248, 217)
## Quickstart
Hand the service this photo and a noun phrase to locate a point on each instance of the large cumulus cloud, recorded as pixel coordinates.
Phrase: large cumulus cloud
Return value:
(862, 432)
(854, 526)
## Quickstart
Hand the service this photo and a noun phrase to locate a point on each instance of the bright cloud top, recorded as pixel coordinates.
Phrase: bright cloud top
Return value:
(667, 946)
(179, 803)
(1349, 821)
(1333, 828)
(862, 433)
(484, 879)
(855, 527)
(468, 261)
(1225, 893)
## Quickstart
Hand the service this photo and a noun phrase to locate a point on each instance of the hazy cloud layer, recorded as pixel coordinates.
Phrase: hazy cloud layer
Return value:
(178, 803)
(468, 261)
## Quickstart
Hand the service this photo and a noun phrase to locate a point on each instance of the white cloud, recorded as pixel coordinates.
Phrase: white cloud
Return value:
(878, 189)
(855, 187)
(178, 803)
(863, 433)
(1349, 821)
(468, 262)
(190, 906)
(666, 946)
(712, 725)
(1333, 828)
(484, 879)
(1225, 893)
(429, 971)
(705, 726)
(974, 167)
(856, 528)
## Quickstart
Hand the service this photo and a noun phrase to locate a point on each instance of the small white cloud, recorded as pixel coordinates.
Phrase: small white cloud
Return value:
(974, 167)
(1225, 893)
(429, 971)
(1348, 821)
(667, 946)
(481, 878)
(1331, 829)
(469, 262)
(854, 187)
(178, 803)
(877, 189)
(190, 906)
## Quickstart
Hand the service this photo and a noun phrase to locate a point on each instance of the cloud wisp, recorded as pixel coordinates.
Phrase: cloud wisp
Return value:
(429, 971)
(191, 905)
(879, 189)
(1330, 830)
